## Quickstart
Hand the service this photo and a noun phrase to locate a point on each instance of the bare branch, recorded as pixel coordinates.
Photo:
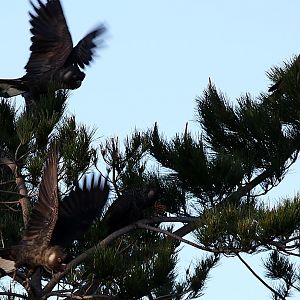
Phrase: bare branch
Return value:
(13, 295)
(259, 278)
(10, 192)
(168, 233)
(9, 202)
(6, 182)
(74, 296)
(24, 201)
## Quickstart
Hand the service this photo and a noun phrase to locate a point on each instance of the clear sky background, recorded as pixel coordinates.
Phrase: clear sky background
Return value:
(158, 57)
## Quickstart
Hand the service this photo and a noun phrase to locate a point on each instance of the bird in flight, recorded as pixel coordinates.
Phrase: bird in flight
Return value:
(54, 224)
(53, 57)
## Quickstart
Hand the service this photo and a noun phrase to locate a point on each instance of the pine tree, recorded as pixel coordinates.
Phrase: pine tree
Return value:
(128, 263)
(210, 186)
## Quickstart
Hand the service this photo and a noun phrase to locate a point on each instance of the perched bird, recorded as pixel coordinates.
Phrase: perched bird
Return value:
(55, 223)
(53, 57)
(130, 207)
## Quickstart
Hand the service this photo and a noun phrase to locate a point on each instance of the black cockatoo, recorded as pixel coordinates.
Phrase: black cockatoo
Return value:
(131, 207)
(53, 57)
(55, 223)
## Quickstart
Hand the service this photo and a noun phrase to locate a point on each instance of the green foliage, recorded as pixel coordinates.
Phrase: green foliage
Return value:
(217, 176)
(37, 124)
(10, 212)
(25, 128)
(182, 155)
(236, 133)
(284, 220)
(199, 277)
(75, 146)
(10, 226)
(249, 227)
(127, 166)
(207, 176)
(279, 268)
(173, 196)
(35, 165)
(135, 266)
(8, 137)
(230, 228)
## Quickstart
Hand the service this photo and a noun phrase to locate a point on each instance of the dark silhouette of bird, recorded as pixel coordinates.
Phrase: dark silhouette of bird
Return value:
(53, 57)
(130, 207)
(54, 223)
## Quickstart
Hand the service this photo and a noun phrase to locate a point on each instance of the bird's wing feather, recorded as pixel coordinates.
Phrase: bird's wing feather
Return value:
(51, 40)
(82, 53)
(44, 215)
(78, 210)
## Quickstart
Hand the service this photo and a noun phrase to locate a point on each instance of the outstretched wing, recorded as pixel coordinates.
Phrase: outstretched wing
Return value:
(78, 210)
(44, 214)
(51, 40)
(82, 53)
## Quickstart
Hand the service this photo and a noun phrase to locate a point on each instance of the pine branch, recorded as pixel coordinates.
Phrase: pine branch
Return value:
(244, 190)
(79, 259)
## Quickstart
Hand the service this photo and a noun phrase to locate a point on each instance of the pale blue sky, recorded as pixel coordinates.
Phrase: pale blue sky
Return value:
(159, 56)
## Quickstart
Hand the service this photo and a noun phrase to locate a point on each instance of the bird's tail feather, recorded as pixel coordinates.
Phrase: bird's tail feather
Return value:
(11, 87)
(6, 266)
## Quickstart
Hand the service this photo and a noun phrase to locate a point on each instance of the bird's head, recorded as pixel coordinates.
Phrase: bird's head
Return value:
(54, 258)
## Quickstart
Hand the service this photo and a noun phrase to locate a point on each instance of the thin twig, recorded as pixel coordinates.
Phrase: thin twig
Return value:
(10, 202)
(74, 296)
(11, 209)
(13, 295)
(6, 182)
(168, 233)
(258, 277)
(10, 192)
(290, 253)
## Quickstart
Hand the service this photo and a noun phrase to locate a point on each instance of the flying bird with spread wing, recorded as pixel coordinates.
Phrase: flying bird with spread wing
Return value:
(54, 224)
(53, 57)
